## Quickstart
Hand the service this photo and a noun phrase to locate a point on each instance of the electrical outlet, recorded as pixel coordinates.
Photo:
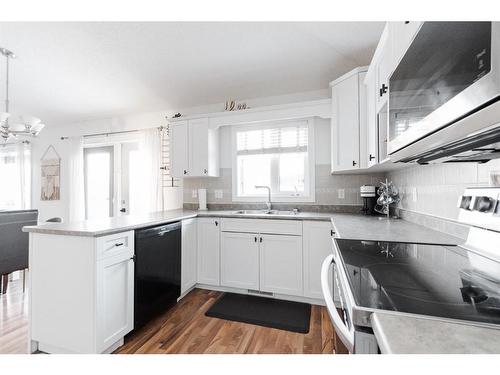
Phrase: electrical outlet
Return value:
(341, 193)
(218, 194)
(194, 193)
(414, 194)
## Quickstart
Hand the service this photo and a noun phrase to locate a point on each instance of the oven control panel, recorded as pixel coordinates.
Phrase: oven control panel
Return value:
(480, 207)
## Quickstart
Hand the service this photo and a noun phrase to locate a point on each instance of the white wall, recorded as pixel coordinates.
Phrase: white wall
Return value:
(51, 135)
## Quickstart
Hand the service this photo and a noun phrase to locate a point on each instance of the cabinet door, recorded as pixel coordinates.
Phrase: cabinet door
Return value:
(239, 257)
(208, 251)
(383, 70)
(281, 264)
(179, 156)
(401, 35)
(371, 122)
(115, 300)
(189, 254)
(345, 124)
(317, 245)
(198, 147)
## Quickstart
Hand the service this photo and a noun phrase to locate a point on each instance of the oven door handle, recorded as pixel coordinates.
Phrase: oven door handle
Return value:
(341, 329)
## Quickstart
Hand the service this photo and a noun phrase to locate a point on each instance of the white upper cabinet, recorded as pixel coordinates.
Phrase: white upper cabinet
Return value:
(194, 148)
(401, 35)
(372, 154)
(179, 158)
(348, 123)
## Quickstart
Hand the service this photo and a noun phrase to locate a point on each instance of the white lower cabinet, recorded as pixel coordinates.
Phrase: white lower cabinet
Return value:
(189, 245)
(317, 245)
(208, 260)
(281, 264)
(115, 299)
(240, 260)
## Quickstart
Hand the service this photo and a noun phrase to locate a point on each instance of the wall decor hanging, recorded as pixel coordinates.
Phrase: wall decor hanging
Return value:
(50, 164)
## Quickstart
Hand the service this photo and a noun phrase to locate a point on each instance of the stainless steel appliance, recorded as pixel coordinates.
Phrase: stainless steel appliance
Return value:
(444, 95)
(157, 271)
(443, 282)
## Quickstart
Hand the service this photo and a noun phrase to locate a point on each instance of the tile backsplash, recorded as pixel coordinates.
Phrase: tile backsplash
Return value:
(434, 189)
(327, 186)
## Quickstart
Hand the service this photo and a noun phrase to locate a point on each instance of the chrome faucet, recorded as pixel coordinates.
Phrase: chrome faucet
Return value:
(268, 203)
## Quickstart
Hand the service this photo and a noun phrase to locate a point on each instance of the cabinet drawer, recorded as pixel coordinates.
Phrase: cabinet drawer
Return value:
(291, 227)
(115, 244)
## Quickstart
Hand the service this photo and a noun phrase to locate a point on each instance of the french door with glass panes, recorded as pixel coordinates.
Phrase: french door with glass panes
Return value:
(112, 184)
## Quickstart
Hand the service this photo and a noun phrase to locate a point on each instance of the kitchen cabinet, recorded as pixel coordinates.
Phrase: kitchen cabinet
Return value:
(281, 264)
(401, 35)
(208, 260)
(372, 154)
(194, 148)
(240, 260)
(115, 299)
(317, 245)
(348, 122)
(383, 66)
(189, 247)
(81, 292)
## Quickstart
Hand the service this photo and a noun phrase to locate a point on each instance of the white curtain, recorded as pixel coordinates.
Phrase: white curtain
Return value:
(150, 152)
(15, 174)
(76, 179)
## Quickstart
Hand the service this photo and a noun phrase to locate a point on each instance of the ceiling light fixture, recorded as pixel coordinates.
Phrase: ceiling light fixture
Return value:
(25, 125)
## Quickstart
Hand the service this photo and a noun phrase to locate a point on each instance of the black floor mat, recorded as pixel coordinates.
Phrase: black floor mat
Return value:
(267, 312)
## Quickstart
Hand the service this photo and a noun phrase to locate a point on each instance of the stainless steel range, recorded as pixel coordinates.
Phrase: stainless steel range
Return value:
(449, 283)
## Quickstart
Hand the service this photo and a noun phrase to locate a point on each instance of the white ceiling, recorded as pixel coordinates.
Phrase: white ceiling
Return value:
(70, 72)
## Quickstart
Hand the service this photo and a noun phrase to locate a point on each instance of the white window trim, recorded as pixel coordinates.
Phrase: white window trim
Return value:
(311, 198)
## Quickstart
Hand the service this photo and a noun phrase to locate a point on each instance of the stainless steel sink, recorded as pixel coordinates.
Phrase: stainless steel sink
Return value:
(263, 212)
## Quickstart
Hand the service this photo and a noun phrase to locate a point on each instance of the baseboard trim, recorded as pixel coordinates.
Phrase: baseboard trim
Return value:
(217, 288)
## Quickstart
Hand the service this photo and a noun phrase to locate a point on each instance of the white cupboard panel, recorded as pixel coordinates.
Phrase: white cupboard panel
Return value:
(317, 245)
(240, 260)
(208, 251)
(189, 254)
(281, 264)
(115, 300)
(179, 156)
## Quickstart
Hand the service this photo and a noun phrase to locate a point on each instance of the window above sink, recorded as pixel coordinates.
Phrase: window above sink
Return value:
(279, 155)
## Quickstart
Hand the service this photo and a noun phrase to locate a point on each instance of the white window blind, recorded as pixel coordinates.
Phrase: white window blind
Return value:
(274, 140)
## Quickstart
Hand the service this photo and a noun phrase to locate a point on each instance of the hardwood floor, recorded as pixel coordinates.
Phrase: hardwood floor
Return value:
(183, 329)
(14, 319)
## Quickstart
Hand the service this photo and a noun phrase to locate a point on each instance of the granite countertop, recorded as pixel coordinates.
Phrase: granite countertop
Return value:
(102, 227)
(378, 228)
(400, 334)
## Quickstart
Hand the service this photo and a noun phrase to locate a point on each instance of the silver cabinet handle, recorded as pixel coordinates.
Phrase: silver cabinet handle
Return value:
(341, 329)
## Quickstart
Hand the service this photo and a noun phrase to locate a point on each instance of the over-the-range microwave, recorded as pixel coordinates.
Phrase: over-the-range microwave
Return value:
(444, 95)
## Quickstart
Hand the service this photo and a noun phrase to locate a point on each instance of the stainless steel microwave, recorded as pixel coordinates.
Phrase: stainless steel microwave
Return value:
(444, 96)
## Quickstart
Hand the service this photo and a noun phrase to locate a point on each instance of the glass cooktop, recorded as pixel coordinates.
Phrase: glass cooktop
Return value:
(443, 281)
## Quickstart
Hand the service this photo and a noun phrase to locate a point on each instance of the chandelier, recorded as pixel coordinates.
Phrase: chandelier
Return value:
(11, 127)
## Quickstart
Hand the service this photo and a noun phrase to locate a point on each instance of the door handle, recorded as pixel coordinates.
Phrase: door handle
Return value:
(123, 209)
(205, 171)
(260, 240)
(185, 172)
(372, 157)
(341, 329)
(216, 223)
(255, 238)
(119, 244)
(354, 163)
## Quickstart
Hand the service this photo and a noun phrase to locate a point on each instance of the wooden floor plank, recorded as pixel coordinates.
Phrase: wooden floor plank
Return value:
(184, 329)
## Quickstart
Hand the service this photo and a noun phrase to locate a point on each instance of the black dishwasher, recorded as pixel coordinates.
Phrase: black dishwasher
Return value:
(157, 271)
